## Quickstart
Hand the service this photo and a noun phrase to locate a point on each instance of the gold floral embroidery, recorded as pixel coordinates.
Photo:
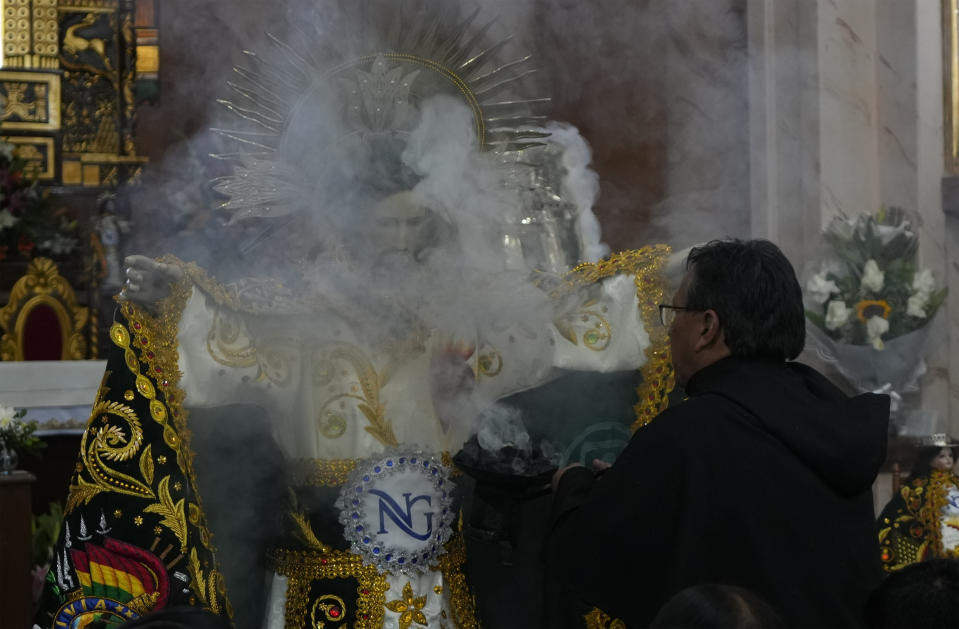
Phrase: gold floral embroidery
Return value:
(321, 472)
(490, 363)
(409, 608)
(172, 513)
(332, 608)
(597, 335)
(304, 567)
(462, 604)
(302, 529)
(343, 358)
(937, 497)
(156, 337)
(228, 341)
(207, 586)
(907, 538)
(646, 265)
(598, 619)
(108, 442)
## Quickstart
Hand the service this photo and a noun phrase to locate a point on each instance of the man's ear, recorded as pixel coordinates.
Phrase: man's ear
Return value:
(710, 331)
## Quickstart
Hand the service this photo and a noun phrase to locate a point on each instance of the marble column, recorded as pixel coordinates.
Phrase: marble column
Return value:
(784, 125)
(845, 118)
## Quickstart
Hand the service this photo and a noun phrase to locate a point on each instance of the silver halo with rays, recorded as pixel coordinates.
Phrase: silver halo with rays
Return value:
(373, 85)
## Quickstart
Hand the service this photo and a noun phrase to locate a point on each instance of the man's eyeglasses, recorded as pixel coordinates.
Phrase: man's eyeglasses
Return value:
(667, 313)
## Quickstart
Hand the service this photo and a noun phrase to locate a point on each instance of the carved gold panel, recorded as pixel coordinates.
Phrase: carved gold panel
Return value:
(29, 101)
(148, 59)
(91, 175)
(89, 5)
(99, 169)
(30, 34)
(46, 47)
(16, 32)
(71, 173)
(38, 152)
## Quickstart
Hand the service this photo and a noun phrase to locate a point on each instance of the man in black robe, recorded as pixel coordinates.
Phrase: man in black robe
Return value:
(760, 479)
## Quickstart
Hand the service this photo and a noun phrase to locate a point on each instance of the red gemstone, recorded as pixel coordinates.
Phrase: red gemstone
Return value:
(150, 355)
(364, 591)
(335, 612)
(136, 325)
(158, 369)
(323, 561)
(366, 616)
(144, 341)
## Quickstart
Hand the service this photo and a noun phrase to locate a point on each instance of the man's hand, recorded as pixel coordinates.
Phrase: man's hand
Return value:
(148, 281)
(559, 473)
(451, 380)
(597, 465)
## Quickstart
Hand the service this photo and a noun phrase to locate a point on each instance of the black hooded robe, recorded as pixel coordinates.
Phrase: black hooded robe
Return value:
(761, 479)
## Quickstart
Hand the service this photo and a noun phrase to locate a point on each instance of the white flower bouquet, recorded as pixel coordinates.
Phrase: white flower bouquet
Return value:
(870, 305)
(17, 434)
(872, 291)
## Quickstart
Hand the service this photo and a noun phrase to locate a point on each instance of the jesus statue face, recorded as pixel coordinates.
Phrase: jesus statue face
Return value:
(402, 229)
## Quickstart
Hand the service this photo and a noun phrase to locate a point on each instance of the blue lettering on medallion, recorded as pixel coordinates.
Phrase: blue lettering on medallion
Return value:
(391, 509)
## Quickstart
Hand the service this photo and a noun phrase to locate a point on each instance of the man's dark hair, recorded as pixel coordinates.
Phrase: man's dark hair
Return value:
(924, 594)
(714, 605)
(753, 288)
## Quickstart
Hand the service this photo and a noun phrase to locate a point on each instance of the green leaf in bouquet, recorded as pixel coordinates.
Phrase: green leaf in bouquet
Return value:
(902, 246)
(935, 301)
(817, 319)
(848, 285)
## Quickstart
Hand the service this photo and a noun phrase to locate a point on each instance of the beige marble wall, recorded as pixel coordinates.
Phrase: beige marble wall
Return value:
(848, 107)
(846, 117)
(940, 390)
(706, 104)
(784, 126)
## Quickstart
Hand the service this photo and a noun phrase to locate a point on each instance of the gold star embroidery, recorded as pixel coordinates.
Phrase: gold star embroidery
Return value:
(409, 608)
(117, 514)
(157, 530)
(128, 395)
(138, 520)
(161, 459)
(177, 486)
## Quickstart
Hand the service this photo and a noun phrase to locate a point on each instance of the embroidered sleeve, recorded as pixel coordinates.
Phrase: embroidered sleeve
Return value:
(134, 537)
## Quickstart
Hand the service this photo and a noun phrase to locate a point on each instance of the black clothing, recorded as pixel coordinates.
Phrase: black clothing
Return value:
(761, 479)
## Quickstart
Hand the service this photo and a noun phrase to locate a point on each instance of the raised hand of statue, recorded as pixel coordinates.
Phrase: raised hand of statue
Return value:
(148, 281)
(451, 381)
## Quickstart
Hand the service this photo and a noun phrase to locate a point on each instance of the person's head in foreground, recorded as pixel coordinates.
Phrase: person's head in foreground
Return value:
(738, 298)
(923, 594)
(715, 605)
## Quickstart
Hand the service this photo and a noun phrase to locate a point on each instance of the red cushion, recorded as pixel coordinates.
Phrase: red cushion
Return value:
(42, 339)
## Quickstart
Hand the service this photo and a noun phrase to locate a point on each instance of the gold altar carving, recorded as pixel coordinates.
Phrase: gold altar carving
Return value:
(38, 152)
(30, 34)
(29, 101)
(43, 286)
(67, 88)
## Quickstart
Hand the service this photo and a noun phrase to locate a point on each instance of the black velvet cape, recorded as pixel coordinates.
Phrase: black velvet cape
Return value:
(761, 478)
